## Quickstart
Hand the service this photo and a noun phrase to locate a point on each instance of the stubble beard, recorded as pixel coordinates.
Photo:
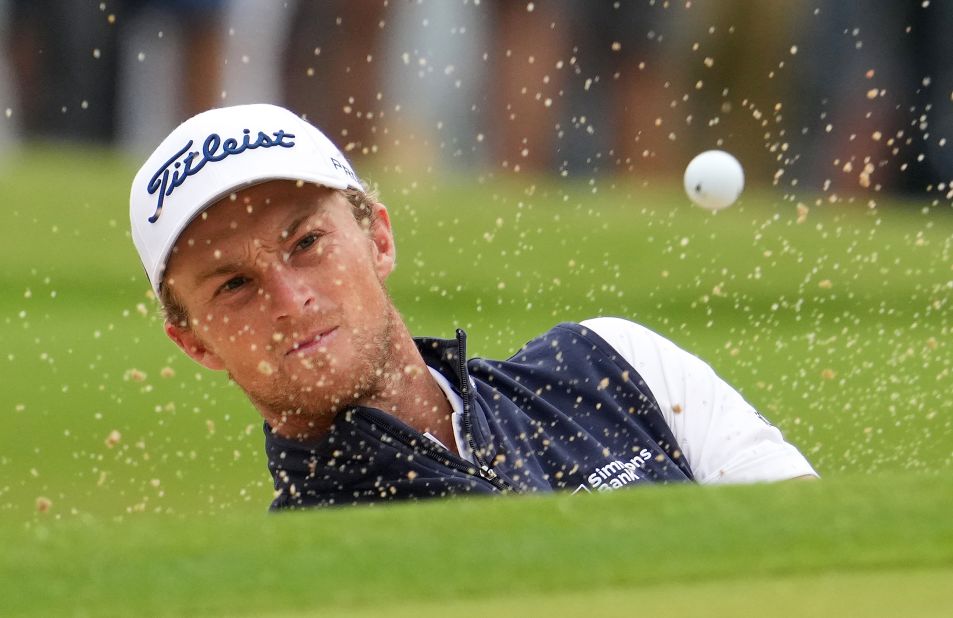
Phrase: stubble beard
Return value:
(307, 405)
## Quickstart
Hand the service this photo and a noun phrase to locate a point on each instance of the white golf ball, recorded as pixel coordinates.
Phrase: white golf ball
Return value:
(714, 179)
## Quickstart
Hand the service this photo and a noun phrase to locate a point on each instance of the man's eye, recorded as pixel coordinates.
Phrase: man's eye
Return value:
(233, 284)
(306, 242)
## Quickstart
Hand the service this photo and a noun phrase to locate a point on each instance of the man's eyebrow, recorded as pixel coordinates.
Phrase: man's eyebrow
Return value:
(222, 269)
(291, 228)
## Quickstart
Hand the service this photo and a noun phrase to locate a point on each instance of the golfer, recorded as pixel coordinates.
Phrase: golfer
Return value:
(271, 259)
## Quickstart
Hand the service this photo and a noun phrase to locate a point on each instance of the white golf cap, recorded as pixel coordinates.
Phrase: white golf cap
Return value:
(216, 153)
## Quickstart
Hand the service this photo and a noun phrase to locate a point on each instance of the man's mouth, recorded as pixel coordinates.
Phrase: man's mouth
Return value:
(312, 342)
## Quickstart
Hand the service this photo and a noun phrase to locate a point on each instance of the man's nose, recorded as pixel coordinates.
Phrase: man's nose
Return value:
(288, 294)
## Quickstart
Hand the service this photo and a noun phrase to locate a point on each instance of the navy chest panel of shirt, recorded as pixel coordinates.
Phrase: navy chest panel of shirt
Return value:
(564, 413)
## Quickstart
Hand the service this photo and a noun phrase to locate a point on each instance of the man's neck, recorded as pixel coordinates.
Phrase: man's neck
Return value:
(411, 393)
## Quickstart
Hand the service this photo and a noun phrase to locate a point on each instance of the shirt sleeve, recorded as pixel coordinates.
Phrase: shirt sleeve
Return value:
(724, 438)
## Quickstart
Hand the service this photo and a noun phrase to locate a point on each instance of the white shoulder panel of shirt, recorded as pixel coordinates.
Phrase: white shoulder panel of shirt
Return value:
(721, 434)
(723, 437)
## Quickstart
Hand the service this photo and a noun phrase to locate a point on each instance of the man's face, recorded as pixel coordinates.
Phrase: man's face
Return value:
(284, 289)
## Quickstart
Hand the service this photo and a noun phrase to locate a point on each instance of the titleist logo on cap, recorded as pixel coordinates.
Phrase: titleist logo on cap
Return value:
(174, 172)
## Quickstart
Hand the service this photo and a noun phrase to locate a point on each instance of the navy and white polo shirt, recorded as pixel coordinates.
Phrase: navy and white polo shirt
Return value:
(597, 406)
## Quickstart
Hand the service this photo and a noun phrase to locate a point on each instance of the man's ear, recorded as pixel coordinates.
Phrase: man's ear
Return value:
(385, 254)
(190, 343)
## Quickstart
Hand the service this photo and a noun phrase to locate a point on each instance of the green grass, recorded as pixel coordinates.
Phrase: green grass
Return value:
(500, 554)
(828, 594)
(837, 328)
